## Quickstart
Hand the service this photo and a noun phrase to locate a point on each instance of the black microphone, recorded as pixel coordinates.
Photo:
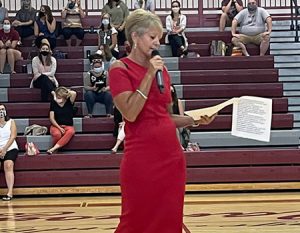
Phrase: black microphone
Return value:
(159, 75)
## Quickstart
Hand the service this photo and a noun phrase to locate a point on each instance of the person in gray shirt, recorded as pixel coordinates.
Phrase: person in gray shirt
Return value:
(3, 14)
(24, 20)
(253, 29)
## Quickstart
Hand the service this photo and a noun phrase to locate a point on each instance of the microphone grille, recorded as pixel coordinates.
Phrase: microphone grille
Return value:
(154, 53)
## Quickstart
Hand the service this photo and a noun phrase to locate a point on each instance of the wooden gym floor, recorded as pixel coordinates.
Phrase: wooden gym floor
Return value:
(213, 213)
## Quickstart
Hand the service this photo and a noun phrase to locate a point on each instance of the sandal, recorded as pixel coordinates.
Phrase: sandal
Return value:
(50, 152)
(7, 198)
(113, 151)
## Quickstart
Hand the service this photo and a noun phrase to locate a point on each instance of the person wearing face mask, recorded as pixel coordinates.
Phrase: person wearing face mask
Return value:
(118, 12)
(96, 87)
(8, 150)
(253, 30)
(3, 14)
(61, 117)
(175, 25)
(107, 35)
(147, 5)
(9, 38)
(73, 14)
(25, 19)
(44, 27)
(230, 8)
(44, 68)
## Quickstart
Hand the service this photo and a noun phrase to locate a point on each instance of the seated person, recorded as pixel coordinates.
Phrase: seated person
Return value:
(107, 35)
(96, 88)
(44, 27)
(73, 14)
(8, 150)
(44, 68)
(147, 5)
(175, 25)
(230, 8)
(252, 28)
(25, 19)
(9, 38)
(3, 14)
(61, 118)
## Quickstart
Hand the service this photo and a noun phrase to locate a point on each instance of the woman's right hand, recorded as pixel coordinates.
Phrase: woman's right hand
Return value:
(156, 63)
(62, 130)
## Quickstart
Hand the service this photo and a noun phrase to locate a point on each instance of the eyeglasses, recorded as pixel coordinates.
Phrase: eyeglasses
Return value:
(97, 61)
(251, 3)
(175, 6)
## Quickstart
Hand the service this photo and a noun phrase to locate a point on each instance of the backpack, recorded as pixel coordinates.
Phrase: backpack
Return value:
(218, 48)
(35, 130)
(185, 137)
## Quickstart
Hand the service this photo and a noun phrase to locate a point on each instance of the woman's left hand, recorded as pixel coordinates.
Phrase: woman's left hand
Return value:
(205, 120)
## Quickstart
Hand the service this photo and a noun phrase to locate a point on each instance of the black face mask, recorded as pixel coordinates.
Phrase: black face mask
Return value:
(41, 14)
(44, 53)
(71, 5)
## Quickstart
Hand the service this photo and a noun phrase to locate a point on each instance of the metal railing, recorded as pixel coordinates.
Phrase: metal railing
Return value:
(295, 10)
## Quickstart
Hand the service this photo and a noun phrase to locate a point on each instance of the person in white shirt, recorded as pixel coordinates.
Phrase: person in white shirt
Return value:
(175, 25)
(44, 68)
(8, 150)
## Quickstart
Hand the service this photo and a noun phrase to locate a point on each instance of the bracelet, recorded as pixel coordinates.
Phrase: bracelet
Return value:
(142, 94)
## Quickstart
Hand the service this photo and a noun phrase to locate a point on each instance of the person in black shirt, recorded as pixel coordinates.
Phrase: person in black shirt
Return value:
(96, 88)
(61, 118)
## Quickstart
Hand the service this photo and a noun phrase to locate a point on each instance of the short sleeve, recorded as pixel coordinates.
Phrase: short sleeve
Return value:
(119, 81)
(113, 31)
(52, 108)
(264, 14)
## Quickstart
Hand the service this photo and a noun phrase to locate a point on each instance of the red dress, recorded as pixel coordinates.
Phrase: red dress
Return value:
(153, 167)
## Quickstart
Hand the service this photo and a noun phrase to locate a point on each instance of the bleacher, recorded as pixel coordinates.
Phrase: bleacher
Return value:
(225, 162)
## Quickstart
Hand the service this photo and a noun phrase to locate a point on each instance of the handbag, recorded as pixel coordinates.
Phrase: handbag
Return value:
(35, 130)
(31, 149)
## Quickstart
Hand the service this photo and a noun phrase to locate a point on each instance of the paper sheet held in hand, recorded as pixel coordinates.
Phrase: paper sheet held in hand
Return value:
(251, 116)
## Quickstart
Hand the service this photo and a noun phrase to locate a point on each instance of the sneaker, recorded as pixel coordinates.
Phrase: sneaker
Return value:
(7, 198)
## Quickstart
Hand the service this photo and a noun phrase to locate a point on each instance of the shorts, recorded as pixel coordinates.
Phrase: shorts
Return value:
(10, 155)
(257, 39)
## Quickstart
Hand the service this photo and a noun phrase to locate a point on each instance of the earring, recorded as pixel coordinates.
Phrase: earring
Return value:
(134, 45)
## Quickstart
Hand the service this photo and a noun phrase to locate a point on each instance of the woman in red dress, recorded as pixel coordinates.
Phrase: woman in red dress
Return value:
(153, 167)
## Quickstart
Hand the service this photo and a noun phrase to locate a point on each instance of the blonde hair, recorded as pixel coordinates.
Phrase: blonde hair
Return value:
(140, 21)
(62, 92)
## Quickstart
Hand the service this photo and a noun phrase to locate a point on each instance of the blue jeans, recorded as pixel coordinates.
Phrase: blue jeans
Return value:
(104, 97)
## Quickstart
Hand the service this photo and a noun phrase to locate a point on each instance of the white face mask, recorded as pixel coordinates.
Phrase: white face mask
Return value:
(105, 22)
(2, 113)
(175, 9)
(6, 27)
(98, 69)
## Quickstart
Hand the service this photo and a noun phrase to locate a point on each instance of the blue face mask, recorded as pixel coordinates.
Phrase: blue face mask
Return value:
(98, 70)
(105, 22)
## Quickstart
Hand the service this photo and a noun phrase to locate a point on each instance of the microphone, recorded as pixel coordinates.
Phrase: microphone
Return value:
(159, 75)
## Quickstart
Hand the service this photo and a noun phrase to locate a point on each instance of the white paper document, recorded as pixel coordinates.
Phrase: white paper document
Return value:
(251, 118)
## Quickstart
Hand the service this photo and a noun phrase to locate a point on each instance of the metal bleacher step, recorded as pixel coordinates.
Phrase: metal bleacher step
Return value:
(225, 139)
